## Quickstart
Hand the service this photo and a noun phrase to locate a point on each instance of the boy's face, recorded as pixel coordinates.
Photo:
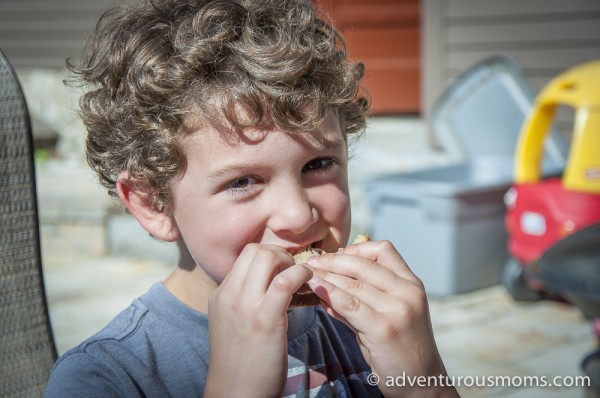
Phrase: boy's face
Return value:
(267, 186)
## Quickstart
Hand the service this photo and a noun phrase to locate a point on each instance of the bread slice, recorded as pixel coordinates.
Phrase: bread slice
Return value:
(361, 238)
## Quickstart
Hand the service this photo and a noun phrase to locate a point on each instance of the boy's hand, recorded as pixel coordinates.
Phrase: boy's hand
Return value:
(369, 287)
(248, 324)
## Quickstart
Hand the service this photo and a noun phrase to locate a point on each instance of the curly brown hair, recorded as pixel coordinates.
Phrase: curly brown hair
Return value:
(155, 66)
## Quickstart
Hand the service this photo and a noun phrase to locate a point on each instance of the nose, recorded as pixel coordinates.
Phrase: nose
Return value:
(292, 210)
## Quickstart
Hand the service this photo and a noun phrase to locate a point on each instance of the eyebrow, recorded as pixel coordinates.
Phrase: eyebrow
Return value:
(233, 169)
(227, 171)
(328, 144)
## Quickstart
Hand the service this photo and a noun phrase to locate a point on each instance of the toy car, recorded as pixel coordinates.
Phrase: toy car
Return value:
(542, 211)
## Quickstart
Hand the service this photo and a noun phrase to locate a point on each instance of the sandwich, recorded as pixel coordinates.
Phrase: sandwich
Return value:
(305, 297)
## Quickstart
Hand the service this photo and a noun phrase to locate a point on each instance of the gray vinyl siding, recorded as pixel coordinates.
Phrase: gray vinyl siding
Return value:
(544, 37)
(43, 33)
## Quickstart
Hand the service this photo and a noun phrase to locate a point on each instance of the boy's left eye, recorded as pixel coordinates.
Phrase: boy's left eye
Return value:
(318, 164)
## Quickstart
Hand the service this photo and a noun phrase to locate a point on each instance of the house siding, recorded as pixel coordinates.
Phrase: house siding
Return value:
(43, 33)
(544, 37)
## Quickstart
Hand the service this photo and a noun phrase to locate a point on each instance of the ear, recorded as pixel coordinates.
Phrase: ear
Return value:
(135, 196)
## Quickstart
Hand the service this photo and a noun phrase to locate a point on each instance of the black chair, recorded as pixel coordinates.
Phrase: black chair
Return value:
(27, 350)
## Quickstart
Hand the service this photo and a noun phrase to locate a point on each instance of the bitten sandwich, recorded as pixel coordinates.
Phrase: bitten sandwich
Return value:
(305, 297)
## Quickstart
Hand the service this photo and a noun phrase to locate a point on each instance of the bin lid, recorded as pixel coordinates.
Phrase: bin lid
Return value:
(466, 178)
(482, 111)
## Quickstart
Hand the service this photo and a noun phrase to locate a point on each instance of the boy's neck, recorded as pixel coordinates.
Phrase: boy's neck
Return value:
(191, 286)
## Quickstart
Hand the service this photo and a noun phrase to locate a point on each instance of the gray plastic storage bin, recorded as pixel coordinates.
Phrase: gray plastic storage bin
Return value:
(448, 222)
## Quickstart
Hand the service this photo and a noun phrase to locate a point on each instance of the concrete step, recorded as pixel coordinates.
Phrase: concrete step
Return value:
(73, 206)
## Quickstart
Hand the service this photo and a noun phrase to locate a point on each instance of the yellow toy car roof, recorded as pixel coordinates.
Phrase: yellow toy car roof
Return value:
(578, 87)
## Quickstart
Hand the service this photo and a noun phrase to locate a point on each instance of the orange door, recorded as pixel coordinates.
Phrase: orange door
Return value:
(385, 36)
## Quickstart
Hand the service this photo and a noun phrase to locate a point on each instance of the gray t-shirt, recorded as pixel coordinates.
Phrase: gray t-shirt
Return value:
(158, 347)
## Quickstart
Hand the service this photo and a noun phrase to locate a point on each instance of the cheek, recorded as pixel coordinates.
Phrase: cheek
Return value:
(335, 209)
(218, 239)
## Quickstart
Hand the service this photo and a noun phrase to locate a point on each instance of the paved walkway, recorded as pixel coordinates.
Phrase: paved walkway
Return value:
(481, 333)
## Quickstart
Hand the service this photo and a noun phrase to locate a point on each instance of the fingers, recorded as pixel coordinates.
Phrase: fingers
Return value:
(267, 262)
(365, 284)
(265, 276)
(284, 285)
(383, 253)
(354, 288)
(263, 260)
(345, 307)
(357, 271)
(373, 263)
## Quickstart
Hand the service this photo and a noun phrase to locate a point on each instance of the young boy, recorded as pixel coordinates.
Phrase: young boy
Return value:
(222, 126)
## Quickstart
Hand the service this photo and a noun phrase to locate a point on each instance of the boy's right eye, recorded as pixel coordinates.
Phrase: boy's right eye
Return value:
(242, 184)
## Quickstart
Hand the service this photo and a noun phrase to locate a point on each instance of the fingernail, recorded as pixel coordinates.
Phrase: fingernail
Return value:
(312, 260)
